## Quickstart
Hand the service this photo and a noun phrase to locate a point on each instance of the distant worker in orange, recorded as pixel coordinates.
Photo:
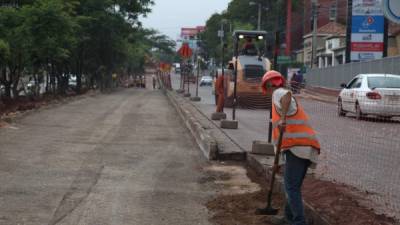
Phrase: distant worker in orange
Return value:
(300, 146)
(219, 89)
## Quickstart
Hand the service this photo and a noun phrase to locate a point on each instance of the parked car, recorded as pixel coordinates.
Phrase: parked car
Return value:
(72, 81)
(206, 81)
(177, 67)
(371, 94)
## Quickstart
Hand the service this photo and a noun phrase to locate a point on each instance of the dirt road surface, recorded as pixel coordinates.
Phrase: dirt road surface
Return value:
(121, 158)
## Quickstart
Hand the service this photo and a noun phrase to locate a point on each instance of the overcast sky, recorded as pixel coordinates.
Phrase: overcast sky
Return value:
(168, 16)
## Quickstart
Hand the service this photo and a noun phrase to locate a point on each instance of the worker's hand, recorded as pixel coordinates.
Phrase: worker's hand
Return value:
(276, 168)
(282, 125)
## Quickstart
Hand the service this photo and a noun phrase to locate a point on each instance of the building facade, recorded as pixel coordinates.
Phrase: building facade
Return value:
(190, 35)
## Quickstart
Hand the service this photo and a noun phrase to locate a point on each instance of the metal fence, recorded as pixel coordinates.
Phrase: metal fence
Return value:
(332, 77)
(360, 153)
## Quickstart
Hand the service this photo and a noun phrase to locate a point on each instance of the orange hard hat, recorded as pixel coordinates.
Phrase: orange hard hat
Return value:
(274, 77)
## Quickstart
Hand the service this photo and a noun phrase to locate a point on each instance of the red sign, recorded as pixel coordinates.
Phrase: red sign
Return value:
(367, 47)
(185, 51)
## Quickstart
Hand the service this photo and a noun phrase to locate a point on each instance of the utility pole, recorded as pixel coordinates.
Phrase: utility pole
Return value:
(275, 66)
(259, 16)
(336, 10)
(288, 28)
(348, 30)
(222, 34)
(315, 29)
(259, 13)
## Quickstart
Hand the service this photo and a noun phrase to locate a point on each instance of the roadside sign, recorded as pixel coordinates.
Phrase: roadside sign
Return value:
(220, 33)
(185, 51)
(282, 59)
(391, 8)
(367, 30)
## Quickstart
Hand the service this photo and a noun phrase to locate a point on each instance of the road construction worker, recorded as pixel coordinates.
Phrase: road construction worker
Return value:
(300, 147)
(219, 90)
(249, 48)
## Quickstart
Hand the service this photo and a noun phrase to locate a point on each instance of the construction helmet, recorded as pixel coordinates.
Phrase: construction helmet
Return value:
(274, 77)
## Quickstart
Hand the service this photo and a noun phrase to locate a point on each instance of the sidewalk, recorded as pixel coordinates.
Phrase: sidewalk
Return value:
(334, 204)
(320, 94)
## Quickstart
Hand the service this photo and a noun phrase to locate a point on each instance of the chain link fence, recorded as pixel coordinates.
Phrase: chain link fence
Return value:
(359, 129)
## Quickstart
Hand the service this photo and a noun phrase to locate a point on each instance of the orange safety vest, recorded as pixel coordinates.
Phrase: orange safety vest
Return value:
(298, 131)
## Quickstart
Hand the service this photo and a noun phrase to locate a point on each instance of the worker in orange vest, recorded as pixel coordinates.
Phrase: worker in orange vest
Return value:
(300, 147)
(219, 89)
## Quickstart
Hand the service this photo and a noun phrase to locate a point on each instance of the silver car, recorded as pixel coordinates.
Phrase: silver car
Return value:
(371, 94)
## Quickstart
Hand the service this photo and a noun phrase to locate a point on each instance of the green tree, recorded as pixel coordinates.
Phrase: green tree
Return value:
(241, 15)
(50, 30)
(14, 37)
(86, 38)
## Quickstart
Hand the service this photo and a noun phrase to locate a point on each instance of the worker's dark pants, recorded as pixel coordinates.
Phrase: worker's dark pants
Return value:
(295, 171)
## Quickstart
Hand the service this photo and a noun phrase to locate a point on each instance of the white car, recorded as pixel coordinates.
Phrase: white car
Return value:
(371, 94)
(206, 80)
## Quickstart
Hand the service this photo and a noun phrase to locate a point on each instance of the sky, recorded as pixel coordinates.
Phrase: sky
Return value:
(168, 16)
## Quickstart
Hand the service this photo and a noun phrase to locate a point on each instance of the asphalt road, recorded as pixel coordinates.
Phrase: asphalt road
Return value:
(122, 158)
(363, 154)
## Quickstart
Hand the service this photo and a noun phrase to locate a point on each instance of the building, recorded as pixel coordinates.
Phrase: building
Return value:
(190, 35)
(300, 21)
(331, 34)
(327, 12)
(331, 46)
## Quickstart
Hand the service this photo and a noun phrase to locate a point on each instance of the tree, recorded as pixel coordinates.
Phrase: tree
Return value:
(209, 37)
(50, 30)
(87, 38)
(239, 14)
(14, 37)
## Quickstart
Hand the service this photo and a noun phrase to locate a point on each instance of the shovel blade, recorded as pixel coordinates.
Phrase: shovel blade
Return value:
(267, 211)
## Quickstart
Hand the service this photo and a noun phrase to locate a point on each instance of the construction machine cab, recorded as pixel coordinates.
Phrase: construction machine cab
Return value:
(250, 39)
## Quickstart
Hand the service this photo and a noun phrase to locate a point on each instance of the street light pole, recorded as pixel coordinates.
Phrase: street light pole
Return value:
(275, 66)
(315, 28)
(259, 14)
(222, 47)
(198, 74)
(259, 17)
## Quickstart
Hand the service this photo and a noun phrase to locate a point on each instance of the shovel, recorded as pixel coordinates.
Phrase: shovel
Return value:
(285, 101)
(269, 210)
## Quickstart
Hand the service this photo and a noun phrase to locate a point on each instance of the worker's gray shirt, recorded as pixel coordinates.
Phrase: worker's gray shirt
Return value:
(300, 151)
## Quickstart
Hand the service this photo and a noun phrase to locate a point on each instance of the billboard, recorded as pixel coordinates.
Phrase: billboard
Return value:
(367, 30)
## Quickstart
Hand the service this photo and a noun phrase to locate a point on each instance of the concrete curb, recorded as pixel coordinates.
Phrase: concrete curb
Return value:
(206, 142)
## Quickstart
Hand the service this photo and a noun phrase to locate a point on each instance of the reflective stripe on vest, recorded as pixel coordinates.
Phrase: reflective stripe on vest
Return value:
(298, 132)
(291, 122)
(297, 135)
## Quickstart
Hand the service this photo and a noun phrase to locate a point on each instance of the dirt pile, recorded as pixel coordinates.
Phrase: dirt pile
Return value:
(340, 204)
